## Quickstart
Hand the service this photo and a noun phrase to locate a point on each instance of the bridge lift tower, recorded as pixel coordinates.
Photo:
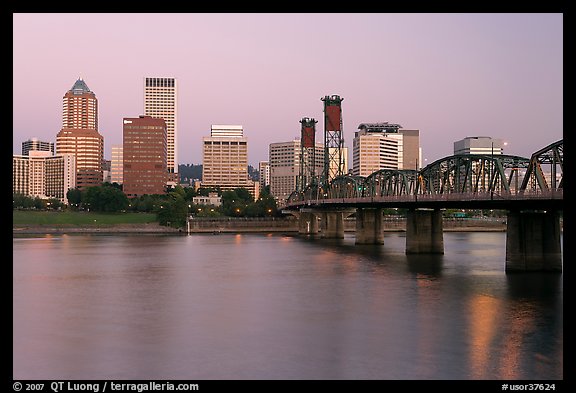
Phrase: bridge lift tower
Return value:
(307, 173)
(333, 139)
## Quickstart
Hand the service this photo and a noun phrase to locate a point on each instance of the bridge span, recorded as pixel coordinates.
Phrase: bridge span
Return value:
(529, 189)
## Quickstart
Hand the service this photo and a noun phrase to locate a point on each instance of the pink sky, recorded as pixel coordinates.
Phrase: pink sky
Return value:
(448, 75)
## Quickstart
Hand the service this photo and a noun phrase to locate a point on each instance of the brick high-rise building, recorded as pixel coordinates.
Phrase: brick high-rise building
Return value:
(79, 134)
(144, 156)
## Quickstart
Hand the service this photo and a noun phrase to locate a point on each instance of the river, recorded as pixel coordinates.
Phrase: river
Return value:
(274, 306)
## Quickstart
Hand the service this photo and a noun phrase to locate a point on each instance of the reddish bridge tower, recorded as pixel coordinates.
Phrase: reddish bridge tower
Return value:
(333, 138)
(307, 153)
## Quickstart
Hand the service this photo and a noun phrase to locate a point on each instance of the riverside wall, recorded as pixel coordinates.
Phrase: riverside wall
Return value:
(235, 225)
(390, 224)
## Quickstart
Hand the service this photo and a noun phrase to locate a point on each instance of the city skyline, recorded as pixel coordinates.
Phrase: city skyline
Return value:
(445, 74)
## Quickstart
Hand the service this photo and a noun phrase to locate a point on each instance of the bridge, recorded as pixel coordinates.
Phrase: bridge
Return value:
(529, 189)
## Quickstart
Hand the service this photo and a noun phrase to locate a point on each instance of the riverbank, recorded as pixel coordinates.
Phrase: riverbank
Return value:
(247, 226)
(93, 228)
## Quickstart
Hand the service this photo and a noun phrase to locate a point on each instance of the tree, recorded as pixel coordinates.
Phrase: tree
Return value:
(265, 206)
(105, 198)
(54, 204)
(189, 193)
(235, 202)
(144, 203)
(22, 201)
(39, 203)
(205, 191)
(74, 196)
(116, 185)
(173, 211)
(179, 190)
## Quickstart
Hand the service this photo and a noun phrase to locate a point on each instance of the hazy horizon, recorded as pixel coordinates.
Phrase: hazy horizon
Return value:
(448, 75)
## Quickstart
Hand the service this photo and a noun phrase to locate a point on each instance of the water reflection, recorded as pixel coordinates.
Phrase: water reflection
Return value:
(278, 307)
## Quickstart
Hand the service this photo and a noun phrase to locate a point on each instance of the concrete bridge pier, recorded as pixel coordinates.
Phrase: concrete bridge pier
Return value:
(369, 226)
(332, 224)
(533, 241)
(424, 232)
(308, 224)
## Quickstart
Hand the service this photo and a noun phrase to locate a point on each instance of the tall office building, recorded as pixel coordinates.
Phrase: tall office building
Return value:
(117, 165)
(479, 145)
(481, 171)
(36, 144)
(225, 158)
(284, 161)
(264, 171)
(79, 134)
(41, 174)
(107, 171)
(144, 156)
(160, 100)
(385, 145)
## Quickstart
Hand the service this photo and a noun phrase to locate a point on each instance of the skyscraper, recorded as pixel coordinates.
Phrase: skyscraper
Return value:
(117, 165)
(264, 171)
(479, 145)
(225, 158)
(160, 100)
(285, 159)
(36, 144)
(79, 134)
(144, 156)
(384, 146)
(42, 174)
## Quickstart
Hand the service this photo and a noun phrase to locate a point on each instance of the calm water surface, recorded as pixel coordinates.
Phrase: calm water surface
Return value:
(263, 306)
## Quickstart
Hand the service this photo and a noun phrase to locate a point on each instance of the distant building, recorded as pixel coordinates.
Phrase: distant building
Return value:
(334, 165)
(106, 171)
(161, 101)
(117, 165)
(479, 145)
(212, 199)
(41, 174)
(254, 188)
(36, 144)
(144, 156)
(284, 161)
(264, 171)
(225, 159)
(79, 135)
(385, 145)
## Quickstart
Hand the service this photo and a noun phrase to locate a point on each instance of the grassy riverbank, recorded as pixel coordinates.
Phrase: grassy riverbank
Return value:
(33, 218)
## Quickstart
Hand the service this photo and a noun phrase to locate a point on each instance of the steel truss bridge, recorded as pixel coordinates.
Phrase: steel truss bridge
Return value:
(468, 181)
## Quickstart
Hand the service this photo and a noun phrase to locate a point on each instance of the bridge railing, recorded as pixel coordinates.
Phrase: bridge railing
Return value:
(451, 197)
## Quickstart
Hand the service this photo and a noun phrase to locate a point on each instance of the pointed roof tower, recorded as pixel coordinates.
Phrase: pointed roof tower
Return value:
(80, 87)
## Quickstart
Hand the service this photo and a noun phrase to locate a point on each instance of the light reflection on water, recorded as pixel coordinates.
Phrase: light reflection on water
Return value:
(251, 306)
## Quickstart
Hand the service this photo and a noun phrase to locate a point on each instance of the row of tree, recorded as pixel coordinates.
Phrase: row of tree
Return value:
(171, 208)
(21, 201)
